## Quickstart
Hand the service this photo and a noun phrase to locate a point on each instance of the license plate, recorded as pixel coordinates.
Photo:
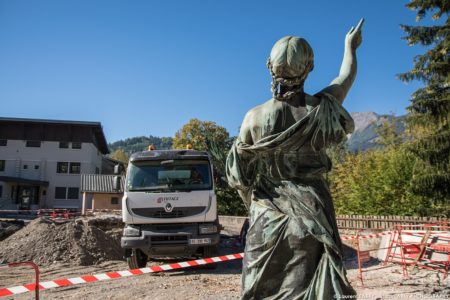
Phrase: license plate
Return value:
(200, 241)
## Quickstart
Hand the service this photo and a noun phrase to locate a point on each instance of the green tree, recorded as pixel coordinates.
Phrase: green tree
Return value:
(120, 155)
(140, 143)
(378, 182)
(430, 105)
(388, 135)
(197, 132)
(208, 136)
(381, 181)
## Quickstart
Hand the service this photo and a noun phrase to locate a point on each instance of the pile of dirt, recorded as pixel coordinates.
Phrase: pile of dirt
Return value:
(81, 241)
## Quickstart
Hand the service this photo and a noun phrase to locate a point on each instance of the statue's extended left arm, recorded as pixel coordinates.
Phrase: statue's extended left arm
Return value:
(340, 86)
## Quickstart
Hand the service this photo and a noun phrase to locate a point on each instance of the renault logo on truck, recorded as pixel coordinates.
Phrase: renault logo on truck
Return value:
(168, 208)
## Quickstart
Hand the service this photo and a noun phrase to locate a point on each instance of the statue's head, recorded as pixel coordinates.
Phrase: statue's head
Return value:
(290, 62)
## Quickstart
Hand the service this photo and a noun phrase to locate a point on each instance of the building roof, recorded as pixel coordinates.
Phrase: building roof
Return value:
(96, 183)
(23, 180)
(54, 130)
(49, 121)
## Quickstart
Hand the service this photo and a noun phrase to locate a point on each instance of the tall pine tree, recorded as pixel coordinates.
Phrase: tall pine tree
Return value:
(430, 105)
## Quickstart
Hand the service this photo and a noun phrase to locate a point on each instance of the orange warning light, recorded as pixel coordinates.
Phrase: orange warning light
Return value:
(150, 148)
(189, 146)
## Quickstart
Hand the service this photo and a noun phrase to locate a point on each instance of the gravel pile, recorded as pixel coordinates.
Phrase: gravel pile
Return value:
(77, 242)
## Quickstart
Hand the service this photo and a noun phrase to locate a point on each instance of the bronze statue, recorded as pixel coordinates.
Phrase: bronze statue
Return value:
(277, 163)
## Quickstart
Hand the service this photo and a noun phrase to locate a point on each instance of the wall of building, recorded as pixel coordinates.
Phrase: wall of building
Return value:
(40, 163)
(103, 201)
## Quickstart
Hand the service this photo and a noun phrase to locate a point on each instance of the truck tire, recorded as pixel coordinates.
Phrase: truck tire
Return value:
(210, 251)
(137, 259)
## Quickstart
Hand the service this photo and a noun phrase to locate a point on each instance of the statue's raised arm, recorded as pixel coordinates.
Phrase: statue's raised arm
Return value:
(340, 86)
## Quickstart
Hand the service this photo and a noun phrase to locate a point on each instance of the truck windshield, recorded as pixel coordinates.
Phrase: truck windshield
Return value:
(171, 175)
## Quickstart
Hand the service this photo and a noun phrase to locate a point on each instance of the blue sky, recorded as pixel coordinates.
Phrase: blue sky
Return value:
(147, 67)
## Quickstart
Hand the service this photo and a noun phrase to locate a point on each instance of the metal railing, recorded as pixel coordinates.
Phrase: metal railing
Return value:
(34, 286)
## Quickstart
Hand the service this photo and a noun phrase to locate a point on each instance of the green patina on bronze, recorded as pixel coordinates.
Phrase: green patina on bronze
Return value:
(277, 164)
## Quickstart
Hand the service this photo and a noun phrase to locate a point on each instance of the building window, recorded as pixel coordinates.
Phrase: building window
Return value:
(76, 145)
(36, 167)
(25, 167)
(73, 193)
(34, 144)
(1, 191)
(2, 165)
(62, 167)
(64, 145)
(60, 192)
(75, 168)
(97, 170)
(64, 193)
(114, 200)
(3, 142)
(44, 193)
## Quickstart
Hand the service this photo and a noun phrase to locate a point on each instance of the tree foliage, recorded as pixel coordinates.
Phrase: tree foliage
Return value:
(121, 156)
(380, 181)
(208, 136)
(388, 134)
(430, 105)
(197, 132)
(377, 182)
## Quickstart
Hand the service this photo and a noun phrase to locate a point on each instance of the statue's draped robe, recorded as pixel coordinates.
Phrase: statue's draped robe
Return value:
(293, 248)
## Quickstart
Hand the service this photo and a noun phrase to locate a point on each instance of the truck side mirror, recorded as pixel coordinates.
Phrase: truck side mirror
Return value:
(118, 169)
(116, 183)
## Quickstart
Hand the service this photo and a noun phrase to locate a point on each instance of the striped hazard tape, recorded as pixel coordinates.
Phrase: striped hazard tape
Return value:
(368, 236)
(113, 275)
(377, 235)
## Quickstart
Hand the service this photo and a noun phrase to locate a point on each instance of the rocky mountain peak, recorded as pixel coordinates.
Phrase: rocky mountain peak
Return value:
(364, 119)
(365, 136)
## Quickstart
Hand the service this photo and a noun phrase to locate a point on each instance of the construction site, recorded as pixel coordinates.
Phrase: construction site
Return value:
(80, 257)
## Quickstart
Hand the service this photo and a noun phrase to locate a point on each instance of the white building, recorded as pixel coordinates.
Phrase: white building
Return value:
(41, 161)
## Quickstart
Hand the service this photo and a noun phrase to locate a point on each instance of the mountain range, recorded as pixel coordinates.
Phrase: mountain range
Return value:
(365, 136)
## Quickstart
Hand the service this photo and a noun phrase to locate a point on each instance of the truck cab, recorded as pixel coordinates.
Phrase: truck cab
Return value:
(169, 206)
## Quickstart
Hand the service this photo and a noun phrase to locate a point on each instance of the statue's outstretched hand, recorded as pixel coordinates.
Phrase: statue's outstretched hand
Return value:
(354, 37)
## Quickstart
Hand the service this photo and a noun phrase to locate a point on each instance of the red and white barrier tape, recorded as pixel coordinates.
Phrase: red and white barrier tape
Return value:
(369, 236)
(113, 275)
(377, 235)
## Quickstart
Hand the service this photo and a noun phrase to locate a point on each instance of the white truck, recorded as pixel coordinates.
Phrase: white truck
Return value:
(169, 206)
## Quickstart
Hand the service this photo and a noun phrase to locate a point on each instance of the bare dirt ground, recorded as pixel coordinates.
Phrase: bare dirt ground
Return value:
(221, 283)
(192, 283)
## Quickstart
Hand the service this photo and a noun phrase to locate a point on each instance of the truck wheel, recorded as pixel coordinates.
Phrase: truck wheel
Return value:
(137, 259)
(210, 251)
